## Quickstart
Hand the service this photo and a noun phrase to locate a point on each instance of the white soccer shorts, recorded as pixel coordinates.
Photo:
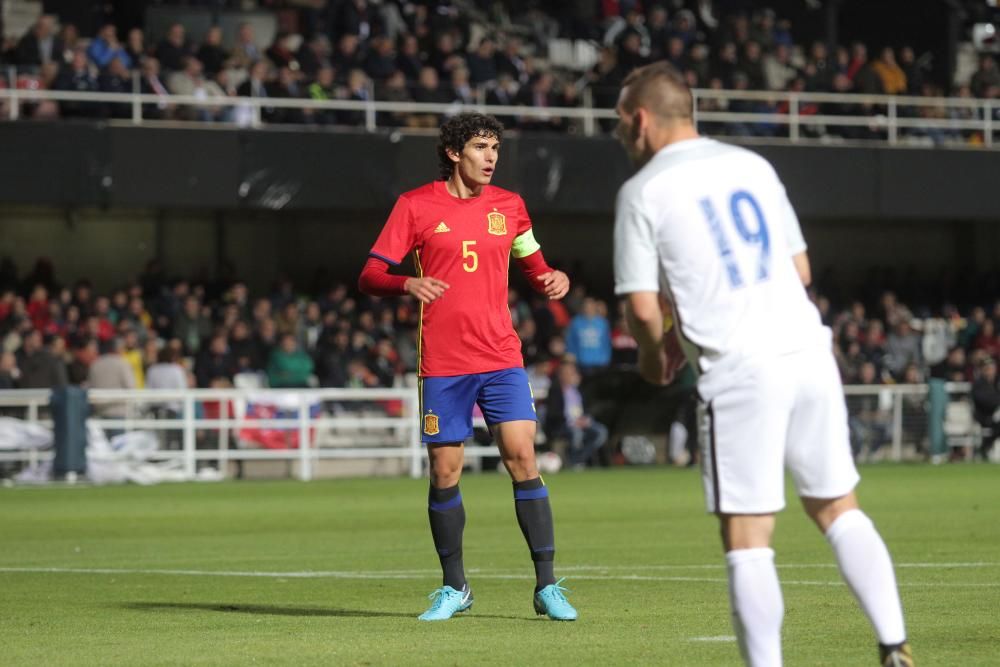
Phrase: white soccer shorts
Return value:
(789, 412)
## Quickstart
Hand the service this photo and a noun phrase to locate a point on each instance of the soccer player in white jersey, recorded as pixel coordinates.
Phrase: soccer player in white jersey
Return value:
(708, 227)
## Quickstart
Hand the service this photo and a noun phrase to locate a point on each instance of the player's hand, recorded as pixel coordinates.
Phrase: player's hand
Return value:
(653, 365)
(555, 285)
(425, 290)
(676, 359)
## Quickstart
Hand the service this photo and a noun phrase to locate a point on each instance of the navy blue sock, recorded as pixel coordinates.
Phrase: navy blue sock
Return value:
(534, 515)
(447, 517)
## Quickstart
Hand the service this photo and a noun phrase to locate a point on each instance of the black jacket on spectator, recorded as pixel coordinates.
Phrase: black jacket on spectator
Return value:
(986, 401)
(41, 370)
(28, 50)
(210, 366)
(80, 81)
(109, 83)
(409, 66)
(213, 58)
(171, 57)
(481, 70)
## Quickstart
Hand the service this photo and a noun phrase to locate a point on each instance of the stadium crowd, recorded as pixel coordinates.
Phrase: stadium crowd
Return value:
(459, 53)
(173, 333)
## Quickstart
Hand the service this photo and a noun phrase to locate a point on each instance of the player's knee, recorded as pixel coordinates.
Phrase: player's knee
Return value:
(824, 511)
(521, 463)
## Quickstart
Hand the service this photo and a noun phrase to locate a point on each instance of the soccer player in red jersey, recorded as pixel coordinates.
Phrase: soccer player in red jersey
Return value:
(462, 231)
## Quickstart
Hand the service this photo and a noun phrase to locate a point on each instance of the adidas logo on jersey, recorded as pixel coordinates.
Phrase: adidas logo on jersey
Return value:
(441, 228)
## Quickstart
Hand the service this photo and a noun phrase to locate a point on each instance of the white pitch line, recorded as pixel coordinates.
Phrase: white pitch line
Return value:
(424, 574)
(720, 638)
(785, 566)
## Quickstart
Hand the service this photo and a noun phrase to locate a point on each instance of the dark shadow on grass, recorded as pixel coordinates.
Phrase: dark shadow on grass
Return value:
(279, 610)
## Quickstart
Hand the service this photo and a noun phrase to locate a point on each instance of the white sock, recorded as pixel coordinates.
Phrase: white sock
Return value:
(755, 599)
(867, 568)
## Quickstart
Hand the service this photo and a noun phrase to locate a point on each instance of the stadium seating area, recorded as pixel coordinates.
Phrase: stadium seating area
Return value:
(453, 52)
(221, 334)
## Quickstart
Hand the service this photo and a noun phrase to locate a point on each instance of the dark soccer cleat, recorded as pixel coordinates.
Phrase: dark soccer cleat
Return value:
(895, 655)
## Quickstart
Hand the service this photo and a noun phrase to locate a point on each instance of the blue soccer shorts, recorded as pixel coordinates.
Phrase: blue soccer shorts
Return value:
(446, 403)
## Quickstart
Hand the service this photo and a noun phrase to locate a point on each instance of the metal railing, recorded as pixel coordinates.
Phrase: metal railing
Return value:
(781, 116)
(350, 424)
(357, 424)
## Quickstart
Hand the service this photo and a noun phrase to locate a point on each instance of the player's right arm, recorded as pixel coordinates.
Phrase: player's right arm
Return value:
(397, 239)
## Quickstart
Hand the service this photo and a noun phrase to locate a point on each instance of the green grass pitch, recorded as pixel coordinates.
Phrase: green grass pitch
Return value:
(335, 573)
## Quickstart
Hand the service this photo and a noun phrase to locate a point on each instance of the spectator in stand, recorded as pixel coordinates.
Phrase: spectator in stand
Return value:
(588, 338)
(986, 78)
(408, 59)
(902, 349)
(77, 76)
(287, 87)
(214, 361)
(380, 62)
(567, 416)
(105, 47)
(987, 340)
(912, 70)
(869, 420)
(111, 371)
(245, 51)
(192, 325)
(461, 90)
(348, 55)
(986, 402)
(630, 54)
(281, 52)
(482, 62)
(135, 46)
(116, 79)
(358, 89)
(314, 54)
(429, 91)
(333, 354)
(40, 45)
(132, 353)
(752, 65)
(9, 372)
(191, 82)
(289, 365)
(819, 70)
(539, 94)
(890, 73)
(509, 61)
(212, 54)
(322, 89)
(39, 367)
(394, 90)
(174, 49)
(151, 84)
(778, 68)
(954, 367)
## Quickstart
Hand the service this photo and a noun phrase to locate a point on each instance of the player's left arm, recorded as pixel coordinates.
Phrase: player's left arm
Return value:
(796, 242)
(528, 254)
(543, 278)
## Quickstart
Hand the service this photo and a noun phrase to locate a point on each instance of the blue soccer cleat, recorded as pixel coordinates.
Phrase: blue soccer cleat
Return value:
(446, 603)
(551, 602)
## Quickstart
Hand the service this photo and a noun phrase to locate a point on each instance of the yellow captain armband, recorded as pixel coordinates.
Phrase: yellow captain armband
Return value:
(524, 245)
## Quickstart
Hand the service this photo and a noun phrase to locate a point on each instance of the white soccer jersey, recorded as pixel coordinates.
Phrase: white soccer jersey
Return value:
(709, 225)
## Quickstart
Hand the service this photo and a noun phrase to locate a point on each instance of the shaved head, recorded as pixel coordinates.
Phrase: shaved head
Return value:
(660, 89)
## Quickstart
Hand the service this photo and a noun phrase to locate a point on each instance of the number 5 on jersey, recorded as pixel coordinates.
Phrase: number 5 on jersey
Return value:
(758, 237)
(470, 260)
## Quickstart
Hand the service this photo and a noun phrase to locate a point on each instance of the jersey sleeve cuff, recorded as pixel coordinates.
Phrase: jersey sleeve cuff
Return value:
(629, 288)
(385, 259)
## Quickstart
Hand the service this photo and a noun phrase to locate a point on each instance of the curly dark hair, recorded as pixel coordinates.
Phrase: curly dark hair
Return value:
(457, 131)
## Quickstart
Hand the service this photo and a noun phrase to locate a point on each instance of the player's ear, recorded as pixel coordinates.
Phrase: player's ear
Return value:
(452, 155)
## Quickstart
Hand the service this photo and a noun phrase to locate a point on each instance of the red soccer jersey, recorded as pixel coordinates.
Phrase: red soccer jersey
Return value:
(466, 243)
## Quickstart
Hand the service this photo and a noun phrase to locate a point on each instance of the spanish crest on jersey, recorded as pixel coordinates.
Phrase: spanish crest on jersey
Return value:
(498, 223)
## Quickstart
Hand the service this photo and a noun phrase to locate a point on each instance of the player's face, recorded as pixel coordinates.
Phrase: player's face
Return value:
(631, 133)
(478, 160)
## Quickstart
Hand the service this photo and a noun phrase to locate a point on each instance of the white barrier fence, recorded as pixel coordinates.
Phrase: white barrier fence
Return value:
(802, 116)
(219, 426)
(333, 424)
